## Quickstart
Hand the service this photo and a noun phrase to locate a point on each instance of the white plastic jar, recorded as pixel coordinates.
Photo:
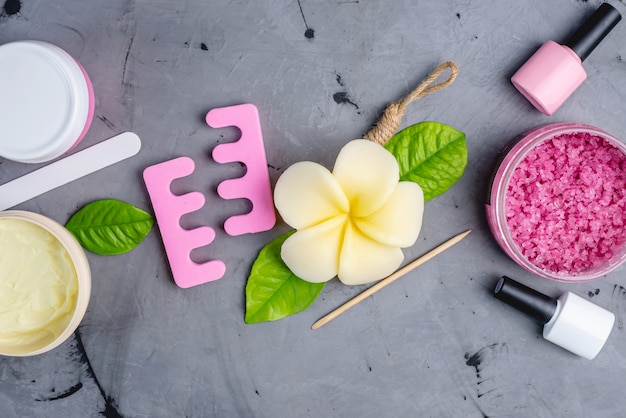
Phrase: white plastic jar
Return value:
(46, 101)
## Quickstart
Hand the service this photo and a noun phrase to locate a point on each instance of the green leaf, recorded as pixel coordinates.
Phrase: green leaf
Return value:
(273, 291)
(431, 154)
(110, 226)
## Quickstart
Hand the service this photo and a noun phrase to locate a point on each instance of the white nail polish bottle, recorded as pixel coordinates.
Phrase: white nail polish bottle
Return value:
(570, 321)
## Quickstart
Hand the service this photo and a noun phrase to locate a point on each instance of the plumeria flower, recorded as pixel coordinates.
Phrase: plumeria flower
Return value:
(351, 223)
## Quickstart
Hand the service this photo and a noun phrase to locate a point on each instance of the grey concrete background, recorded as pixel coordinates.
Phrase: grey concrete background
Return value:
(434, 344)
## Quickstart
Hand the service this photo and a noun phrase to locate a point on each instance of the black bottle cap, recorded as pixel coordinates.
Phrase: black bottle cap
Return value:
(593, 31)
(527, 300)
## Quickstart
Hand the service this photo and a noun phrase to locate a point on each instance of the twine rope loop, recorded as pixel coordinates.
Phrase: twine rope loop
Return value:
(390, 121)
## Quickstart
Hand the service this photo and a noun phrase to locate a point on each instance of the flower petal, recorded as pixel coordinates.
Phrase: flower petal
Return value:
(367, 173)
(364, 260)
(307, 194)
(399, 221)
(313, 253)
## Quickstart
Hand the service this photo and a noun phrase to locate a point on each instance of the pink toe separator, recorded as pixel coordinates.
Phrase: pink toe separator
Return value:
(255, 184)
(168, 209)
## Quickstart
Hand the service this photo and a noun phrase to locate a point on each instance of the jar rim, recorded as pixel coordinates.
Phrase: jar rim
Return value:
(47, 101)
(514, 154)
(83, 275)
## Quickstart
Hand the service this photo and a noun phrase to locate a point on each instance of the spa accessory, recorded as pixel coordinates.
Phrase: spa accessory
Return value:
(388, 280)
(46, 104)
(68, 169)
(430, 154)
(168, 209)
(570, 321)
(351, 223)
(552, 74)
(555, 204)
(255, 184)
(45, 280)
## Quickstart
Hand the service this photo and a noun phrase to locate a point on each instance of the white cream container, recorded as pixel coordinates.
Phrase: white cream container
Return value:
(45, 284)
(46, 101)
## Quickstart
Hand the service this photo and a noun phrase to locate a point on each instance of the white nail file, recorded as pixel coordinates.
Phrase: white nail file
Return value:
(68, 169)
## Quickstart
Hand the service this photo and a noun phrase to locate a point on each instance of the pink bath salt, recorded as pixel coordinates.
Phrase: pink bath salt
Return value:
(566, 203)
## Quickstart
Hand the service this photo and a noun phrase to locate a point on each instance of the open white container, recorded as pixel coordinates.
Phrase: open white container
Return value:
(83, 275)
(46, 101)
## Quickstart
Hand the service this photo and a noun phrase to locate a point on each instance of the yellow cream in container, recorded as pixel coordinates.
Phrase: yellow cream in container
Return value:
(45, 283)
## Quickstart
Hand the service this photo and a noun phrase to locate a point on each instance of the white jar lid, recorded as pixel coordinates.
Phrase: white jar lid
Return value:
(45, 101)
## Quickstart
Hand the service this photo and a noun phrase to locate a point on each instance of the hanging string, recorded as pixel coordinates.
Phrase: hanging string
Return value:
(390, 121)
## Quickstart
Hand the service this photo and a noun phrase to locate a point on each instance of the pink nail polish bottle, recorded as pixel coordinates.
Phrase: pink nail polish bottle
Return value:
(552, 74)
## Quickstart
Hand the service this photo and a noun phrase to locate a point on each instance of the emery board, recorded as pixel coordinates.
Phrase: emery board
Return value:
(68, 169)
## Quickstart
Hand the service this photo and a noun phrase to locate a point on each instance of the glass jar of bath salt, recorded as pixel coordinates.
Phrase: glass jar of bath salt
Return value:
(45, 284)
(46, 101)
(556, 202)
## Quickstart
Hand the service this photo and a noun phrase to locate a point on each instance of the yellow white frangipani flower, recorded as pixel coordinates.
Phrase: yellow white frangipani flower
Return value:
(351, 223)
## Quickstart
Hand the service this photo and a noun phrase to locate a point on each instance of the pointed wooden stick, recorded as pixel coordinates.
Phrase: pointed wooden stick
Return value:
(388, 280)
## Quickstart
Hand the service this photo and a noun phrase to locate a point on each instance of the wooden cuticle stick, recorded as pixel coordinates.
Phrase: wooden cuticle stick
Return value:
(390, 279)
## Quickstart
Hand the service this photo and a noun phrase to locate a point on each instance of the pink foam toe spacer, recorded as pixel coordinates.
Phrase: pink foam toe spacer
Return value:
(168, 209)
(255, 184)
